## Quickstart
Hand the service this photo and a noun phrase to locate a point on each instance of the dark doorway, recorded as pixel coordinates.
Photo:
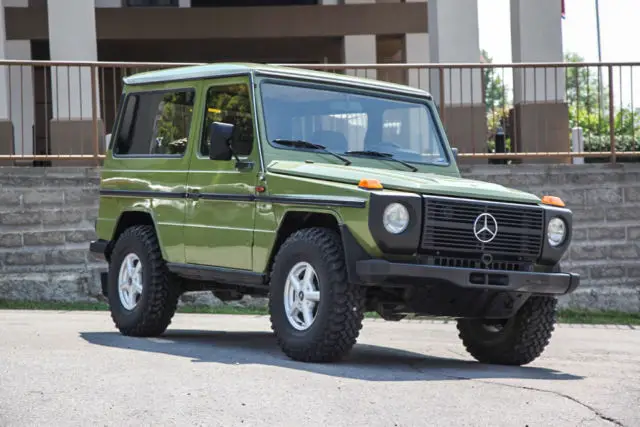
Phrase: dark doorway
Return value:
(246, 3)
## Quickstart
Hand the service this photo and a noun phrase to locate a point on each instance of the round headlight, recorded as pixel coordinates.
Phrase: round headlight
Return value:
(395, 218)
(556, 231)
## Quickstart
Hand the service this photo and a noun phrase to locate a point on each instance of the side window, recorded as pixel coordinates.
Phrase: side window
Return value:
(155, 124)
(229, 104)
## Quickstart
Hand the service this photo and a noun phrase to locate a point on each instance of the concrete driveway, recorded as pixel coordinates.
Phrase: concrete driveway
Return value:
(73, 368)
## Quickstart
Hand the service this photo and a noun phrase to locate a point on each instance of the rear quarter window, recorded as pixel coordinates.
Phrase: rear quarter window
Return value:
(155, 124)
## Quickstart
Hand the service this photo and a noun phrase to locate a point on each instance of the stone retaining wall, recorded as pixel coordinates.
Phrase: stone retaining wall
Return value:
(47, 217)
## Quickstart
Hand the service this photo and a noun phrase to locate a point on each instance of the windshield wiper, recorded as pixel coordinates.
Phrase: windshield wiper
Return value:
(306, 144)
(385, 156)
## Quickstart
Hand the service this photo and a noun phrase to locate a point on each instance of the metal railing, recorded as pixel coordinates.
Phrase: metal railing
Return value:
(561, 112)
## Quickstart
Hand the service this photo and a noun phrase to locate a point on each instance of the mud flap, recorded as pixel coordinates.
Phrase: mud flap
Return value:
(104, 278)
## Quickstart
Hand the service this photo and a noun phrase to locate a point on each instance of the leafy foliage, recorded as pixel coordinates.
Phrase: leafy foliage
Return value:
(173, 122)
(583, 88)
(495, 90)
(230, 104)
(588, 106)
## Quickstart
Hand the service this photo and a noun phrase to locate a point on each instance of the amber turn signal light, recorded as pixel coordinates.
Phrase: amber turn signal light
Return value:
(370, 184)
(553, 201)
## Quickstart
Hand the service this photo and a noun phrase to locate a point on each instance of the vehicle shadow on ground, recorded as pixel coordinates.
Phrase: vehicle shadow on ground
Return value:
(365, 362)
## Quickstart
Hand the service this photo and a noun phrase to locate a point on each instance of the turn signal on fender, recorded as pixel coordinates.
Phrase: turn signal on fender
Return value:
(370, 184)
(553, 201)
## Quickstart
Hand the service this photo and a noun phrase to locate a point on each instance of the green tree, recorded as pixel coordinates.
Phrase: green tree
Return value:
(586, 108)
(582, 84)
(496, 102)
(173, 120)
(495, 92)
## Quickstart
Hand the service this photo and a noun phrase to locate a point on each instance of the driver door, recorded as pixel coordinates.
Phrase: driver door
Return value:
(221, 208)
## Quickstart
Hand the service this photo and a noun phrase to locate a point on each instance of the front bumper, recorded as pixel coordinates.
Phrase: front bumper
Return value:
(99, 247)
(375, 272)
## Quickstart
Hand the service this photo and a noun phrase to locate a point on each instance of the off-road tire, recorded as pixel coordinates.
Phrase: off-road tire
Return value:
(521, 341)
(341, 308)
(159, 299)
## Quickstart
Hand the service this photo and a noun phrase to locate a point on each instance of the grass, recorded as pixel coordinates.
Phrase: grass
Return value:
(564, 316)
(608, 317)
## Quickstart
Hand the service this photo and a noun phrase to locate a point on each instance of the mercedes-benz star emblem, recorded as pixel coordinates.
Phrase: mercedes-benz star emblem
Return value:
(485, 227)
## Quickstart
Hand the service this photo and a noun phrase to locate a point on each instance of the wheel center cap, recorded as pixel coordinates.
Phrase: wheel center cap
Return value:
(301, 295)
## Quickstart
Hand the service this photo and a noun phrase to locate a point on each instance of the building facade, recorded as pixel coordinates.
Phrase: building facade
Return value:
(43, 109)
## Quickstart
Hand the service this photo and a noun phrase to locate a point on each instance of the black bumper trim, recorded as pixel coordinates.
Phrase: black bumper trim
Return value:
(380, 273)
(104, 283)
(99, 246)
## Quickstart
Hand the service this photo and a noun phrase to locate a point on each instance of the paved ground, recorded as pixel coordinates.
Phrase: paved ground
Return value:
(73, 369)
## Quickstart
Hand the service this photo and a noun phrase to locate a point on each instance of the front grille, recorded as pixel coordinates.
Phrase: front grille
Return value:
(449, 228)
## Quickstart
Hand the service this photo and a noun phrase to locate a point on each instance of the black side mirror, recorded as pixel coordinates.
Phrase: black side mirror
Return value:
(455, 153)
(220, 141)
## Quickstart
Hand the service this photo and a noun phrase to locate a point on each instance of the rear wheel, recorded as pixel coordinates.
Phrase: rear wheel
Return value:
(315, 313)
(515, 341)
(142, 298)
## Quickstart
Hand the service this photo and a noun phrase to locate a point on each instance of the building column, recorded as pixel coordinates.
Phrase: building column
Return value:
(541, 115)
(6, 126)
(16, 97)
(416, 48)
(360, 49)
(22, 97)
(72, 123)
(454, 38)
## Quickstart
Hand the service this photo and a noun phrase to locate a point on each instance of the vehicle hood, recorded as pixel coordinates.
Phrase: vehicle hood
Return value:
(418, 182)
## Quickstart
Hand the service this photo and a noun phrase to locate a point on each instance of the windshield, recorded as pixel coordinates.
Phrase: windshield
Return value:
(346, 122)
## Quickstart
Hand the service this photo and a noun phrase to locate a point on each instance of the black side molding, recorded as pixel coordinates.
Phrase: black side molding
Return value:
(286, 199)
(227, 276)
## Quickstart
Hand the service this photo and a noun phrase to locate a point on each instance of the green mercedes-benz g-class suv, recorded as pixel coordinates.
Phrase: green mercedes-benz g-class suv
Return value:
(333, 196)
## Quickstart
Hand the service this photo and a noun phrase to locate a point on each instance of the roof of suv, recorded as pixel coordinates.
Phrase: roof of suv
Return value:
(233, 69)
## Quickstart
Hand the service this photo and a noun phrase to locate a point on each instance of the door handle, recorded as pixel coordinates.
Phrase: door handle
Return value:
(194, 193)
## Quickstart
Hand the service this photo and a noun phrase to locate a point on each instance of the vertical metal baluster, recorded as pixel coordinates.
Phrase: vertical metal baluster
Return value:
(103, 111)
(633, 114)
(442, 97)
(22, 109)
(12, 150)
(612, 136)
(94, 111)
(472, 106)
(82, 135)
(47, 146)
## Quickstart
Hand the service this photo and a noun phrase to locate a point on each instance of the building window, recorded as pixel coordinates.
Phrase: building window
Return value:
(155, 124)
(151, 3)
(230, 104)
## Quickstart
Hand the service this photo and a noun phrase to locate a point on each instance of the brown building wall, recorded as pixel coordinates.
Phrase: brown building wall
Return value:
(233, 23)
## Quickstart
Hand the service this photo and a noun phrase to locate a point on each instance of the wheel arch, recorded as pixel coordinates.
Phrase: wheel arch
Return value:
(130, 218)
(295, 220)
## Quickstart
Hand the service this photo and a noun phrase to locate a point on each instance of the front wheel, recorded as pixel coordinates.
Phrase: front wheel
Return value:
(315, 313)
(515, 341)
(142, 298)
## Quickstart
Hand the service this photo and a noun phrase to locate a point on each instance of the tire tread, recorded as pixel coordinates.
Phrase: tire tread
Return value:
(347, 311)
(162, 295)
(534, 324)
